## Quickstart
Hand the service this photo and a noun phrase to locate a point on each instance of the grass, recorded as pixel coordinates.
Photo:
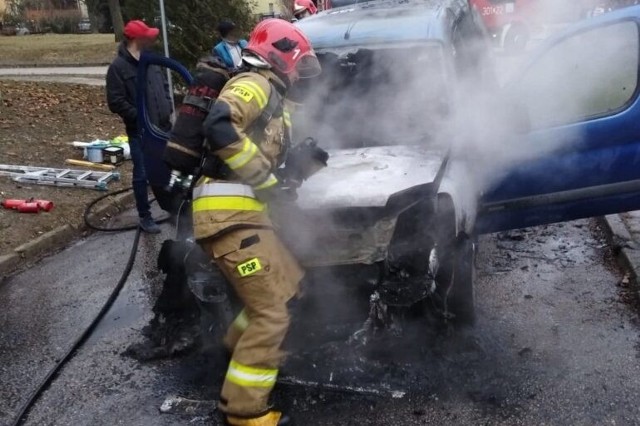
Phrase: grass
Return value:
(57, 49)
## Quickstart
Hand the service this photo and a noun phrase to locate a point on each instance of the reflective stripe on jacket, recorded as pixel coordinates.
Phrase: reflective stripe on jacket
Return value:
(252, 154)
(225, 196)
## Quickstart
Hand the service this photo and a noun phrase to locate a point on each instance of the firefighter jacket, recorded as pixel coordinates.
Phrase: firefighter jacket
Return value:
(246, 132)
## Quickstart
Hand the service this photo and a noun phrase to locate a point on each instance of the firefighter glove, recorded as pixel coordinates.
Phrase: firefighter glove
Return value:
(304, 160)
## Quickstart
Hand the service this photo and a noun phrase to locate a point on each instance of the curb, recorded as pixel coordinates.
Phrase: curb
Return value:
(623, 245)
(57, 239)
(27, 77)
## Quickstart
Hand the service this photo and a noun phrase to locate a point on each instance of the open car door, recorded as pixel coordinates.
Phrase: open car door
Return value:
(154, 139)
(580, 96)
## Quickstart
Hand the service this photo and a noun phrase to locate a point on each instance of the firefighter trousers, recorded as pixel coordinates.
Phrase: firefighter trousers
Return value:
(265, 275)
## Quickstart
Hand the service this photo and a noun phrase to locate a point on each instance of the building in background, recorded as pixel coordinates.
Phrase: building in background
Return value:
(268, 9)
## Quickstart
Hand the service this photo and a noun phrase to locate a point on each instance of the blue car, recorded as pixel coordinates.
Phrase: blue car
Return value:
(427, 151)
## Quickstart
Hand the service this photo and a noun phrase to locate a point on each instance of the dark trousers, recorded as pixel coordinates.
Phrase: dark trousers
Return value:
(139, 180)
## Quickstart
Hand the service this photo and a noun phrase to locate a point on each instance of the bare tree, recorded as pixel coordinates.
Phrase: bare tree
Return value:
(92, 9)
(116, 19)
(287, 9)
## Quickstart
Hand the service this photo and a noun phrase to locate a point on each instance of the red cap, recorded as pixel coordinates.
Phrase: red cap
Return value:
(138, 29)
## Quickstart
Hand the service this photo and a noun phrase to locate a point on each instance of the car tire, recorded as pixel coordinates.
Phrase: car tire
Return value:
(455, 278)
(461, 294)
(516, 39)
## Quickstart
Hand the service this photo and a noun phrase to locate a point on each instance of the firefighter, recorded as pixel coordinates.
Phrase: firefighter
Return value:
(303, 9)
(248, 132)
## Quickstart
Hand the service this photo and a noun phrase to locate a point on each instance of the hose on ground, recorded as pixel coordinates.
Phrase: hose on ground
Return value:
(53, 373)
(87, 213)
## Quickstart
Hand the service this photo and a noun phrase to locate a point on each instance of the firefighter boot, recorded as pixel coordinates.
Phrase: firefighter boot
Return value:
(272, 418)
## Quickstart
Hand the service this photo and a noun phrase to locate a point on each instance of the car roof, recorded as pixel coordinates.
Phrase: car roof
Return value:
(383, 21)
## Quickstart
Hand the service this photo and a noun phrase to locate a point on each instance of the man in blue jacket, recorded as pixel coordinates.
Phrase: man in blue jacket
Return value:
(229, 50)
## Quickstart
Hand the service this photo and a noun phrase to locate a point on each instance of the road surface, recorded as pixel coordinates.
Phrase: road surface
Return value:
(556, 343)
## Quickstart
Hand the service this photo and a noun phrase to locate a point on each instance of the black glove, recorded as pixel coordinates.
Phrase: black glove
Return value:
(304, 160)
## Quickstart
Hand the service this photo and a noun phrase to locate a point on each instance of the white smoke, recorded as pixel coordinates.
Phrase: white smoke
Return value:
(421, 93)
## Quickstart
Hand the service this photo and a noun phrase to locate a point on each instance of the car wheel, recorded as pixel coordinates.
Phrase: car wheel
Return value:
(516, 39)
(461, 294)
(456, 273)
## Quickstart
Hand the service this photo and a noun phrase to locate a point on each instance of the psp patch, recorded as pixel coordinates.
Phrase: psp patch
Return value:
(249, 267)
(242, 93)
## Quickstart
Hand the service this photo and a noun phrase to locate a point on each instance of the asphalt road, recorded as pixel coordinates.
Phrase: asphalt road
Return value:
(556, 343)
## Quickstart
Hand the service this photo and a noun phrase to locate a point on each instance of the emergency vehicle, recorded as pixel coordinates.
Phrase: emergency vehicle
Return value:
(507, 21)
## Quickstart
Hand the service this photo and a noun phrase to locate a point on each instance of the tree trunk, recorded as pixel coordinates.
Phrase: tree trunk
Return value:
(116, 19)
(92, 10)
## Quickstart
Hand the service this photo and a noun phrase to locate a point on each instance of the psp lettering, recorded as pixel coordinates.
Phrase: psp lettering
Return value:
(249, 267)
(242, 93)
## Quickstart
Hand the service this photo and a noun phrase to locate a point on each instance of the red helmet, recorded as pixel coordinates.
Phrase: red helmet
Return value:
(283, 47)
(304, 7)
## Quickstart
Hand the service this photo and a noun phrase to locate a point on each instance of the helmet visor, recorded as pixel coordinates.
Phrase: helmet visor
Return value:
(308, 66)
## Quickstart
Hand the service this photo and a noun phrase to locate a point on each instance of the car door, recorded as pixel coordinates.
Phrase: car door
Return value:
(154, 139)
(582, 152)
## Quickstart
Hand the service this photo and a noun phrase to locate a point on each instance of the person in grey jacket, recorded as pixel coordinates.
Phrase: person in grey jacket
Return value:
(121, 97)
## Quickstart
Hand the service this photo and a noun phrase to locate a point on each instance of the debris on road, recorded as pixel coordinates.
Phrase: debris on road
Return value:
(624, 282)
(179, 405)
(342, 388)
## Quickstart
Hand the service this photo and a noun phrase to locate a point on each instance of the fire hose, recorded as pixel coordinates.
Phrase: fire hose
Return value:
(77, 344)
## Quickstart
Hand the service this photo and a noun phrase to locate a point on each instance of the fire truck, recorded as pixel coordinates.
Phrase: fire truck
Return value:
(507, 21)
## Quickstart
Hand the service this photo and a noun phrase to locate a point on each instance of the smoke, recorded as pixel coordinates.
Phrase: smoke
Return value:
(377, 97)
(447, 99)
(450, 99)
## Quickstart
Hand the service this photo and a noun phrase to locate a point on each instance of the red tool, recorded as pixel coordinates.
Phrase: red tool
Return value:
(28, 206)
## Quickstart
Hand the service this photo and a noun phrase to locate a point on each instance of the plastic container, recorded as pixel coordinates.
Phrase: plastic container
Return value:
(94, 153)
(113, 155)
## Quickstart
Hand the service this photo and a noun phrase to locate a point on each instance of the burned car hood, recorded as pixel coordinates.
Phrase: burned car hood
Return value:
(367, 177)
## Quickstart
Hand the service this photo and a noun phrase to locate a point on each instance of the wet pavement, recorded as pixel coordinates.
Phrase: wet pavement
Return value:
(556, 343)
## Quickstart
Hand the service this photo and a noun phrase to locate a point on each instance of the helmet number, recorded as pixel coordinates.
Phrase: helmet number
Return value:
(296, 53)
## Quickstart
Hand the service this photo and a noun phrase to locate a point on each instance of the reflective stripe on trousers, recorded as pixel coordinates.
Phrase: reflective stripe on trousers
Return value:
(225, 196)
(243, 375)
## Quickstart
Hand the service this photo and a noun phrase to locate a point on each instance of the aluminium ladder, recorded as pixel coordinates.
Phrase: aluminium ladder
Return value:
(59, 177)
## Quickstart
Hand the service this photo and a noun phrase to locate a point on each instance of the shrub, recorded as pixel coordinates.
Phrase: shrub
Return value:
(56, 21)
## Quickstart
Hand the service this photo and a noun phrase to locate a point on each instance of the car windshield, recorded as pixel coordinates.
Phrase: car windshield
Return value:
(372, 97)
